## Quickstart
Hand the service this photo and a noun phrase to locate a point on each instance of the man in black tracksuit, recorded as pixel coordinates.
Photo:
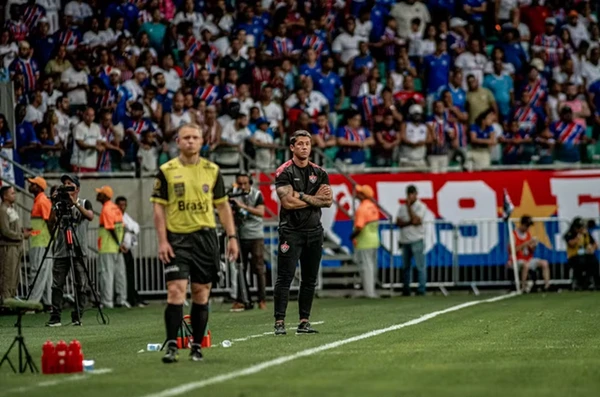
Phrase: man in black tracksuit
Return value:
(303, 189)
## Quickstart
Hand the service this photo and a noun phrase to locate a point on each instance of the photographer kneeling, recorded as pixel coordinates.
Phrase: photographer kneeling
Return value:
(248, 207)
(69, 209)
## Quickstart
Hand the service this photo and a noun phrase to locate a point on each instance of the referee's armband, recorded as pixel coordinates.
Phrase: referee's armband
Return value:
(160, 190)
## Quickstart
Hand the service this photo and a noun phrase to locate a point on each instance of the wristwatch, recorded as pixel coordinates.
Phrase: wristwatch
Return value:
(301, 195)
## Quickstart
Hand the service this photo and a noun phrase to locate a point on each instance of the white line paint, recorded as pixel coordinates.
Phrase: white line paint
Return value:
(60, 380)
(185, 388)
(263, 334)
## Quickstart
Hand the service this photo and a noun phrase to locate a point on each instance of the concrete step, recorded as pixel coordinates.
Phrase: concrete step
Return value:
(346, 269)
(349, 281)
(338, 257)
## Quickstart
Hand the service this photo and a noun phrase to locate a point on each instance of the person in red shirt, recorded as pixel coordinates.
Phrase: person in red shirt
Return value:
(525, 245)
(534, 16)
(408, 92)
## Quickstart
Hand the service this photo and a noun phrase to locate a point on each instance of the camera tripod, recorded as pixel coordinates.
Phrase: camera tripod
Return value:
(25, 359)
(65, 225)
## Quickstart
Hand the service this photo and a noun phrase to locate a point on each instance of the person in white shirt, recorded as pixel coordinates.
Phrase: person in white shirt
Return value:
(590, 70)
(171, 76)
(34, 113)
(264, 158)
(74, 83)
(130, 241)
(134, 86)
(49, 94)
(405, 11)
(65, 121)
(87, 143)
(271, 110)
(233, 138)
(364, 24)
(576, 28)
(345, 46)
(472, 62)
(189, 15)
(411, 215)
(79, 10)
(415, 135)
(244, 99)
(316, 101)
(93, 36)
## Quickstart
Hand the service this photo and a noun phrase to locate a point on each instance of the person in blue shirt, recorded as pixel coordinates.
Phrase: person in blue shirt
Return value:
(568, 136)
(502, 86)
(513, 50)
(126, 9)
(312, 67)
(363, 59)
(459, 96)
(352, 140)
(6, 140)
(515, 145)
(252, 25)
(43, 44)
(135, 126)
(483, 138)
(25, 137)
(379, 14)
(156, 30)
(436, 67)
(329, 84)
(163, 95)
(475, 10)
(121, 94)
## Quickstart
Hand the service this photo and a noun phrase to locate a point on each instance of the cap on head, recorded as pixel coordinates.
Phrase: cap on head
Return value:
(106, 190)
(38, 180)
(551, 21)
(72, 178)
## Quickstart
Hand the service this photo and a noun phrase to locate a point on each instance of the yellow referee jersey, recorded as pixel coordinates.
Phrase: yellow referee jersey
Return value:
(189, 193)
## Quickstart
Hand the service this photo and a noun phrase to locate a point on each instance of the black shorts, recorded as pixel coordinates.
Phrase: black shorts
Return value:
(196, 257)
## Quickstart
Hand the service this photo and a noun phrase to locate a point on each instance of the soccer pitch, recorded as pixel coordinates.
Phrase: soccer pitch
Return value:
(532, 345)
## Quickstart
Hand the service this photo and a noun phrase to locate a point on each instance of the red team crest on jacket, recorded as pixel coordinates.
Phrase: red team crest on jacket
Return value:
(285, 247)
(312, 178)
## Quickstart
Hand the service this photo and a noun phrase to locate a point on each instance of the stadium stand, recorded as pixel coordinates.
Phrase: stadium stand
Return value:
(379, 83)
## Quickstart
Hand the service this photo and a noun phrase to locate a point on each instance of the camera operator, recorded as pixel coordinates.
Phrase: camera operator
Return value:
(248, 207)
(581, 256)
(69, 208)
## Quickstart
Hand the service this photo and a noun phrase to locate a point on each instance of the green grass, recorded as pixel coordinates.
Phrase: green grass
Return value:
(542, 345)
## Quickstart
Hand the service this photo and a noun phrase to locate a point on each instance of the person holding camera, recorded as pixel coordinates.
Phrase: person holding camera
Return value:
(581, 256)
(111, 264)
(41, 226)
(249, 210)
(69, 208)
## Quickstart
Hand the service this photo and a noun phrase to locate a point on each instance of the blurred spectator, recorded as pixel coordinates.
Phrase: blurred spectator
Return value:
(87, 143)
(442, 138)
(581, 250)
(569, 135)
(352, 140)
(502, 87)
(387, 142)
(479, 99)
(233, 139)
(482, 138)
(415, 135)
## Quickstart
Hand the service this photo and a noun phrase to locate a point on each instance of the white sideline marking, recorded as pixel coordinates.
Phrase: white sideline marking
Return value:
(175, 391)
(72, 378)
(263, 334)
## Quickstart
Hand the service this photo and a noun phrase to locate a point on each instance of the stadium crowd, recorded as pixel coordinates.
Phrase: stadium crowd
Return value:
(380, 83)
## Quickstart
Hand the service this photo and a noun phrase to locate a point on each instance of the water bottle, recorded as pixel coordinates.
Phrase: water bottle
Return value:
(153, 347)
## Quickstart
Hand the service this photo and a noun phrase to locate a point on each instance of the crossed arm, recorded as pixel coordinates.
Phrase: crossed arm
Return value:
(290, 199)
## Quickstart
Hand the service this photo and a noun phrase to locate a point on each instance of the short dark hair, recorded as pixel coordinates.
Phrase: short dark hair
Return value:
(120, 198)
(526, 220)
(298, 134)
(3, 191)
(410, 189)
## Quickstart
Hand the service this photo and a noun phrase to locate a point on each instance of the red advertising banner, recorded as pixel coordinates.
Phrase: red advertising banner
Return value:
(458, 197)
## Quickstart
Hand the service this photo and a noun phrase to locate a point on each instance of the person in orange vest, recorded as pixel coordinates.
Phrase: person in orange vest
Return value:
(366, 238)
(112, 274)
(41, 226)
(525, 245)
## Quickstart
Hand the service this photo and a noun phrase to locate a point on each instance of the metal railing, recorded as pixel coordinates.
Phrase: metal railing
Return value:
(473, 253)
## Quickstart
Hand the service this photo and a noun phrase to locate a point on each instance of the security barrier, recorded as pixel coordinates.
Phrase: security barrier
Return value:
(469, 254)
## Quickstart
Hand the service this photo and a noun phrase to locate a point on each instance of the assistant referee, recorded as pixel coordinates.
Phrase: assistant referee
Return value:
(186, 191)
(303, 189)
